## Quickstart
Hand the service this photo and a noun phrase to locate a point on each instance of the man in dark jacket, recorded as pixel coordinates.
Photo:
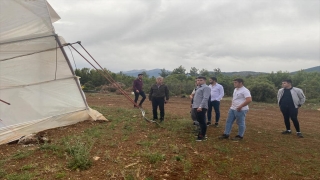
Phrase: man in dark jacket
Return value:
(290, 99)
(159, 95)
(137, 89)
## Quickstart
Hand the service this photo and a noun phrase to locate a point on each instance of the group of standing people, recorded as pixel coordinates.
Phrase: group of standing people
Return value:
(158, 95)
(206, 98)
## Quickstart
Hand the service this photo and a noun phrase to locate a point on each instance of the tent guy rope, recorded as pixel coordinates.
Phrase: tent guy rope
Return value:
(111, 80)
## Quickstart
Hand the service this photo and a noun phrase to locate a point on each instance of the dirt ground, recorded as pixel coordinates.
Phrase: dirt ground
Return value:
(262, 148)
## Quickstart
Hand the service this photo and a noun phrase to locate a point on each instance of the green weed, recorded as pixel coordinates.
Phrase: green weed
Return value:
(28, 167)
(187, 165)
(16, 176)
(80, 152)
(93, 132)
(22, 154)
(60, 175)
(155, 157)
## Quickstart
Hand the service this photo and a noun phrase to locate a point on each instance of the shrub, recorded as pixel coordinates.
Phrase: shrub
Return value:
(263, 91)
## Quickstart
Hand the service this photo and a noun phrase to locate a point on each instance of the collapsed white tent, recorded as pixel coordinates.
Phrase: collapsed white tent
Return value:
(39, 83)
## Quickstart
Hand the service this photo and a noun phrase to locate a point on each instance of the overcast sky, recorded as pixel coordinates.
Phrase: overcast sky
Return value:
(233, 35)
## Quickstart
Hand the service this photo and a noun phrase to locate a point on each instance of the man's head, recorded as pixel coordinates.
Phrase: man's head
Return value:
(287, 83)
(201, 80)
(140, 76)
(213, 80)
(159, 80)
(238, 82)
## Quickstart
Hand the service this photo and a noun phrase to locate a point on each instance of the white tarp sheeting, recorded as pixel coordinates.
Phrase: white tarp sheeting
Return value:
(35, 76)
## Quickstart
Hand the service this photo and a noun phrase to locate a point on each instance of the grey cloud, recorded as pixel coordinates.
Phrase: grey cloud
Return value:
(166, 34)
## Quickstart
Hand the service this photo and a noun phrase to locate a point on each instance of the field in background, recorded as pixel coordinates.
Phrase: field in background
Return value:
(127, 147)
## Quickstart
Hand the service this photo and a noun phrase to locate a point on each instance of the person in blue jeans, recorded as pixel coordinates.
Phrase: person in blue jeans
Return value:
(217, 92)
(238, 110)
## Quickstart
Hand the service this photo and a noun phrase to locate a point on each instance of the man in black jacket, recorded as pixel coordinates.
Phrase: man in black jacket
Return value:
(138, 90)
(159, 95)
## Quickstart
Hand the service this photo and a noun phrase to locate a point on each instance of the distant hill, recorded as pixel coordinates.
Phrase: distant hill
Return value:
(150, 73)
(155, 72)
(243, 73)
(313, 69)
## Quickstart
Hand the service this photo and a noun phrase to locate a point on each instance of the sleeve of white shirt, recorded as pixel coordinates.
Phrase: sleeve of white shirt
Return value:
(221, 92)
(246, 93)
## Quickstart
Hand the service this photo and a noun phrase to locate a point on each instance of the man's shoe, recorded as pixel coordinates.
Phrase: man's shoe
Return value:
(196, 135)
(161, 119)
(224, 136)
(208, 123)
(237, 138)
(202, 138)
(216, 124)
(300, 135)
(286, 132)
(155, 119)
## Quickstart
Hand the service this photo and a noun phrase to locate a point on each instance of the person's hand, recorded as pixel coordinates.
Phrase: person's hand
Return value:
(199, 109)
(137, 91)
(239, 108)
(166, 101)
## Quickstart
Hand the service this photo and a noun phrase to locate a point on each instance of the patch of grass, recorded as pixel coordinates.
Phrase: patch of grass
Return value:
(145, 143)
(154, 136)
(3, 161)
(221, 148)
(155, 157)
(187, 165)
(51, 147)
(21, 154)
(80, 152)
(129, 177)
(125, 138)
(93, 132)
(2, 173)
(17, 176)
(256, 169)
(178, 158)
(174, 148)
(222, 167)
(28, 167)
(60, 175)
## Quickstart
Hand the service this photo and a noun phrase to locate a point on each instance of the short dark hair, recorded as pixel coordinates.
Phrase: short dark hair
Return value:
(140, 74)
(239, 80)
(288, 81)
(202, 77)
(214, 78)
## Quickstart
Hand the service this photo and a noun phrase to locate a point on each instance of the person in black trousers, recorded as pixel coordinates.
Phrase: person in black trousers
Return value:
(200, 106)
(290, 99)
(138, 90)
(159, 95)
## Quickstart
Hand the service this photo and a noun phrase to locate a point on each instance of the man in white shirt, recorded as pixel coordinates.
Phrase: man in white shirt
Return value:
(238, 110)
(217, 92)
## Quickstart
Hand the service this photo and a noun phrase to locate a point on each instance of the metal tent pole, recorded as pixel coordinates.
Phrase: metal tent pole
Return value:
(71, 69)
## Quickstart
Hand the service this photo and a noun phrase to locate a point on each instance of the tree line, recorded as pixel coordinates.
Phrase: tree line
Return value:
(263, 87)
